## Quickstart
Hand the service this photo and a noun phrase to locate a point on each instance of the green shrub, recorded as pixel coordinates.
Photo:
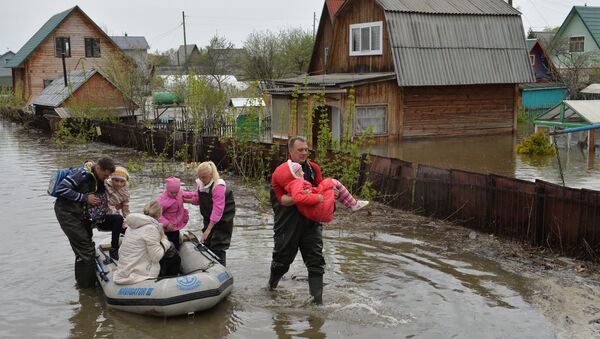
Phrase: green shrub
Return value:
(537, 144)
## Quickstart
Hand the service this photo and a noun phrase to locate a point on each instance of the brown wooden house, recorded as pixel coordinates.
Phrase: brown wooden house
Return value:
(427, 68)
(86, 91)
(71, 32)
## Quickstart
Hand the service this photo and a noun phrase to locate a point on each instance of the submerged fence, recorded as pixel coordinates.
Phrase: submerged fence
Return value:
(538, 213)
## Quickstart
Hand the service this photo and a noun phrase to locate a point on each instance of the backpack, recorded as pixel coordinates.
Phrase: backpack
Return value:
(58, 176)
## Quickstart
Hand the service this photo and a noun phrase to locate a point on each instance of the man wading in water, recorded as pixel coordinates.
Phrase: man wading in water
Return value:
(77, 190)
(292, 230)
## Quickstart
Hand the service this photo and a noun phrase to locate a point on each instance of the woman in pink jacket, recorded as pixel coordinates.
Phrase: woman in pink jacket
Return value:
(217, 208)
(174, 215)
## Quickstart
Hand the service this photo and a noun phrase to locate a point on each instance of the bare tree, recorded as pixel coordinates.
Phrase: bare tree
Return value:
(575, 67)
(135, 83)
(274, 55)
(217, 60)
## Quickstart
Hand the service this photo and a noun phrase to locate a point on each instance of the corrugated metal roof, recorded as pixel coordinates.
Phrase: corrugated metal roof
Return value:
(130, 42)
(443, 49)
(575, 111)
(336, 79)
(487, 7)
(591, 89)
(56, 93)
(38, 37)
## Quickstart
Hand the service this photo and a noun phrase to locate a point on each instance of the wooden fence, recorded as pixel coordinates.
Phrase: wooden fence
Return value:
(538, 213)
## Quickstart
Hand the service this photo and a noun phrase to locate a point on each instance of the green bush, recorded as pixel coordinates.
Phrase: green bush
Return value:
(537, 144)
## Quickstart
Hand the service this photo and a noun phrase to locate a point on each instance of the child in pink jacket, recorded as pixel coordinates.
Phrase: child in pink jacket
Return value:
(174, 216)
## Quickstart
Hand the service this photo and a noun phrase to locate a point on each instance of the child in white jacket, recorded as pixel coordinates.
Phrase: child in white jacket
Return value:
(143, 248)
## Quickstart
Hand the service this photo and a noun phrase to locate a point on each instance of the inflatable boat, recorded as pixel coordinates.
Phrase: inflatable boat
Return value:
(203, 283)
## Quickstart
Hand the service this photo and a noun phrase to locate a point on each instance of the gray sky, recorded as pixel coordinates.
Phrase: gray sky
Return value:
(159, 21)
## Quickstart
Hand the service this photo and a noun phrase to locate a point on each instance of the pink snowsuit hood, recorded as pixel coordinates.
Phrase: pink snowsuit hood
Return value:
(173, 210)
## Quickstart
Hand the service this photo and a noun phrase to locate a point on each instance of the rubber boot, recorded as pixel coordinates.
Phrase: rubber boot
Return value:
(315, 286)
(274, 280)
(114, 253)
(85, 273)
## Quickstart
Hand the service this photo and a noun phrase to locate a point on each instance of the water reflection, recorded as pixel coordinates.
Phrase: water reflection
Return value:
(495, 154)
(298, 326)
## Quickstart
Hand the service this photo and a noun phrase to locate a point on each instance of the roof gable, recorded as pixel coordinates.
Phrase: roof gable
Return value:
(333, 6)
(39, 37)
(591, 19)
(50, 26)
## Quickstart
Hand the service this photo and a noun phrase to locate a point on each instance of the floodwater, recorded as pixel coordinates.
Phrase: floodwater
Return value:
(384, 277)
(495, 154)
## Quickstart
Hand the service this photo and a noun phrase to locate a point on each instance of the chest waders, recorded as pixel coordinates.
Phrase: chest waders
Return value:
(220, 237)
(293, 232)
(78, 229)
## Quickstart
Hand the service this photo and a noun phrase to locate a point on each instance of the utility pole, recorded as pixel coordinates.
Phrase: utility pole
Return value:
(185, 63)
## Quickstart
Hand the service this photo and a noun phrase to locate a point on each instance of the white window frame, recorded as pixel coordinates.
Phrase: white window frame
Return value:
(532, 59)
(366, 107)
(370, 51)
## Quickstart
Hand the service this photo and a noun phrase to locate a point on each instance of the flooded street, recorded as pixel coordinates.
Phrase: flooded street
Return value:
(387, 275)
(495, 154)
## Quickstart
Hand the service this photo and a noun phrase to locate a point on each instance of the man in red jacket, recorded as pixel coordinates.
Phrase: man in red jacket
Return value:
(294, 231)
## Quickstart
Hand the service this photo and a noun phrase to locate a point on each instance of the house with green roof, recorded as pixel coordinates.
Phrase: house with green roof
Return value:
(70, 33)
(579, 33)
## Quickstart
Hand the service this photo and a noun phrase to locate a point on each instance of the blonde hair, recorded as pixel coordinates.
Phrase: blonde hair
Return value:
(153, 209)
(209, 166)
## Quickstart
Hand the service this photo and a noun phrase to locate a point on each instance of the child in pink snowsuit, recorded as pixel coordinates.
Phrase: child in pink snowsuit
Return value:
(317, 203)
(174, 216)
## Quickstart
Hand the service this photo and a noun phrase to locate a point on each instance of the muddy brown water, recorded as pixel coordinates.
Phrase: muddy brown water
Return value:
(496, 154)
(385, 278)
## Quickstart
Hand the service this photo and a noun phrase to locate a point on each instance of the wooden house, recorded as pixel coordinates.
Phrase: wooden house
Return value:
(86, 91)
(547, 91)
(188, 54)
(428, 68)
(71, 33)
(579, 33)
(135, 47)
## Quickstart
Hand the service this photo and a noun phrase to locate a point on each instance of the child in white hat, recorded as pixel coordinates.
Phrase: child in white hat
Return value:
(118, 204)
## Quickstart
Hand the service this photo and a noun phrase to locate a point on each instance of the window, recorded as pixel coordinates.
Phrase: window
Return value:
(326, 55)
(92, 47)
(6, 61)
(47, 83)
(532, 59)
(63, 45)
(372, 119)
(366, 39)
(576, 44)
